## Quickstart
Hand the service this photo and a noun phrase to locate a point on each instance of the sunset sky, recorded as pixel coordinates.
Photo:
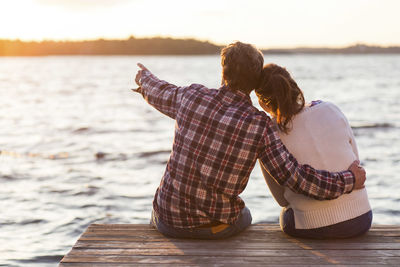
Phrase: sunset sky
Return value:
(267, 24)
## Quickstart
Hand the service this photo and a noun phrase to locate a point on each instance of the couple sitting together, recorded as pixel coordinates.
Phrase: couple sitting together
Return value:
(307, 153)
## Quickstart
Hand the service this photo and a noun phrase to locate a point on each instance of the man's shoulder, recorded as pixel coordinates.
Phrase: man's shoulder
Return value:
(257, 121)
(245, 111)
(200, 88)
(255, 114)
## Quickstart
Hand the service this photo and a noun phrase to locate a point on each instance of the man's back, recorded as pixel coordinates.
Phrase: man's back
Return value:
(217, 136)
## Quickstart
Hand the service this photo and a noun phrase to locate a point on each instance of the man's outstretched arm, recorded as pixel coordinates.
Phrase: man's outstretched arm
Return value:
(162, 95)
(304, 179)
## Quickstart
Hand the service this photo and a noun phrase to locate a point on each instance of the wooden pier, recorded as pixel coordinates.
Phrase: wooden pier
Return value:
(260, 245)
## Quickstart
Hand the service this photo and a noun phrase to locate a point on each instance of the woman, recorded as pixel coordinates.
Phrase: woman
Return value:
(317, 134)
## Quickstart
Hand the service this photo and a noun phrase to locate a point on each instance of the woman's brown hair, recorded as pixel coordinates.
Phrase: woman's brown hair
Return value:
(281, 94)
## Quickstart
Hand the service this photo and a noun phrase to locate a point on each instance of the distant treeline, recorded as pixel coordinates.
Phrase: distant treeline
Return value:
(157, 46)
(355, 49)
(131, 46)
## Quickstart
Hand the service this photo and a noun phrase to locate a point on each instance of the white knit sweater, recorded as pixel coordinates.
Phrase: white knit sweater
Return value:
(321, 137)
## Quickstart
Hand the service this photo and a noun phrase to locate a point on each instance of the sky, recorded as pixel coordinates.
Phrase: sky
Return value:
(265, 23)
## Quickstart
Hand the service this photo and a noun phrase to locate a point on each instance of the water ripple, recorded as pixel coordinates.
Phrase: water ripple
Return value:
(374, 126)
(88, 153)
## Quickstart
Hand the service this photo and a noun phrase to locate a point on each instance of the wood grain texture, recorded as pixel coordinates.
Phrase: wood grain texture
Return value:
(260, 245)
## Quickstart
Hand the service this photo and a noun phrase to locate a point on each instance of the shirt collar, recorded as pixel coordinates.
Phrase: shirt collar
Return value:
(234, 96)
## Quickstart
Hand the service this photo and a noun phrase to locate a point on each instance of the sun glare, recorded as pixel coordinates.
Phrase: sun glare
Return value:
(264, 23)
(27, 21)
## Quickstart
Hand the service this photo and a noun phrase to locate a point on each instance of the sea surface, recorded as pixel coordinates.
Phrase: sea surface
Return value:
(79, 147)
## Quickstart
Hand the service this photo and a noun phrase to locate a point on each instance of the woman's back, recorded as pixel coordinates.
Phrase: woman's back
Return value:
(318, 135)
(321, 137)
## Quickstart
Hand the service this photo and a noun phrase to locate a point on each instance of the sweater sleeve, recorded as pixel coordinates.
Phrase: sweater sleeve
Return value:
(276, 189)
(352, 140)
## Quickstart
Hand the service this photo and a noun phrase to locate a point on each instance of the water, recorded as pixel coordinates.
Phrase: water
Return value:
(79, 147)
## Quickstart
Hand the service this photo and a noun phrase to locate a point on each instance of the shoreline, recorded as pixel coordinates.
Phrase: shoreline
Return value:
(158, 46)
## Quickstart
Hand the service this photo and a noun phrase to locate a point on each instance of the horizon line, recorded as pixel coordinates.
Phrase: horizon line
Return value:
(306, 46)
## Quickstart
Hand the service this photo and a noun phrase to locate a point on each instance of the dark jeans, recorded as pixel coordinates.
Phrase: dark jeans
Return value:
(346, 229)
(216, 231)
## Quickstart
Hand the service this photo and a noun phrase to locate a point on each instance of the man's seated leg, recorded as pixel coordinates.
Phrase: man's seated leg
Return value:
(213, 231)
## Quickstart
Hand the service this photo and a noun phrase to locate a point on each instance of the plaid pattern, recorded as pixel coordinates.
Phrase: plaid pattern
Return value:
(219, 136)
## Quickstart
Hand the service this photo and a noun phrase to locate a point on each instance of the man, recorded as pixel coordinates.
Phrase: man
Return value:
(219, 135)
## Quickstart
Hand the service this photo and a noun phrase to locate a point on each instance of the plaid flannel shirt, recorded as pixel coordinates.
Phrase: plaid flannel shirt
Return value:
(219, 135)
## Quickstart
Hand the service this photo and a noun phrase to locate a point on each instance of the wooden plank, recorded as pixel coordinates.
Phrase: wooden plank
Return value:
(263, 242)
(133, 245)
(251, 232)
(125, 264)
(231, 245)
(254, 252)
(231, 260)
(148, 234)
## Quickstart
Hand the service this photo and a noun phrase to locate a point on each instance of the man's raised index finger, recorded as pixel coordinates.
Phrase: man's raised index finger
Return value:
(140, 65)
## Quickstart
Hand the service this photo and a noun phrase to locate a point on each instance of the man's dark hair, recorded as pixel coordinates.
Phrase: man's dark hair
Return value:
(241, 66)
